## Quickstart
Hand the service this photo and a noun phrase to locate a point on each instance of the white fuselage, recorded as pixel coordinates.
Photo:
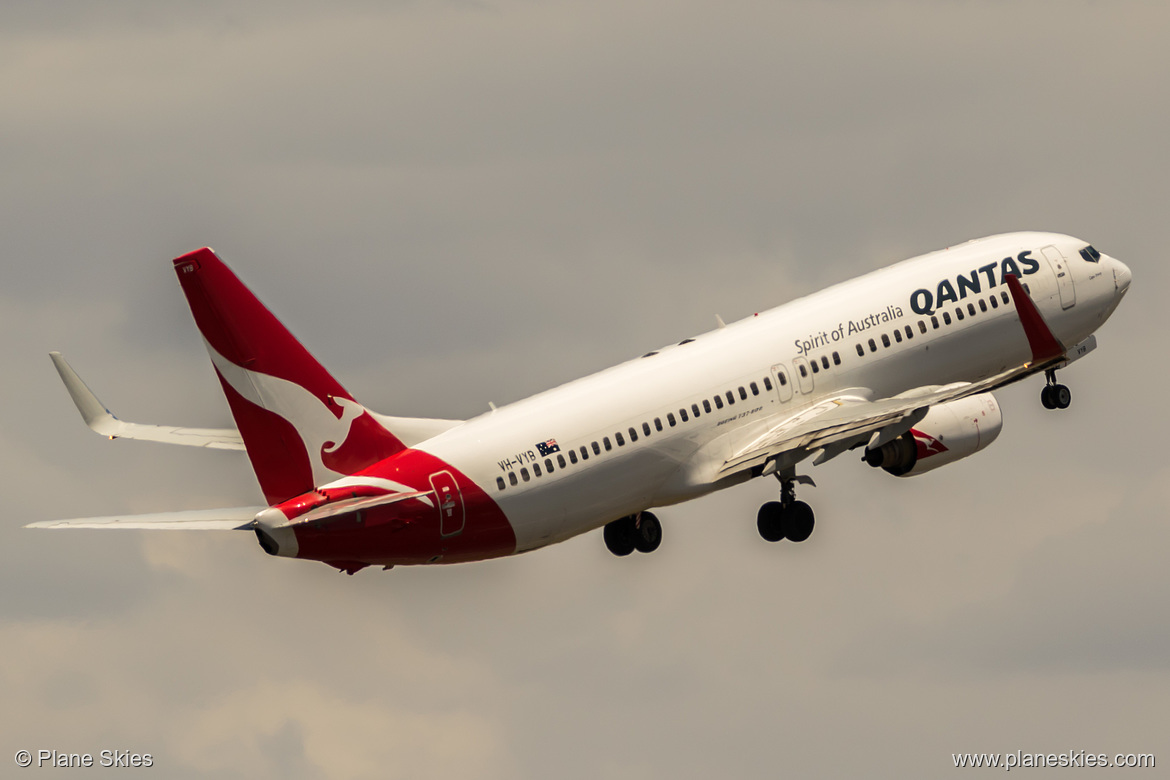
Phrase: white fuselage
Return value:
(770, 356)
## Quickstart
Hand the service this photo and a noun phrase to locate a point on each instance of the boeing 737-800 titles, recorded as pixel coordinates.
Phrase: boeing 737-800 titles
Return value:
(899, 363)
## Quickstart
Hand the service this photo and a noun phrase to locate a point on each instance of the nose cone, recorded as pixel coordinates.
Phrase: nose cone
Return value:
(1121, 277)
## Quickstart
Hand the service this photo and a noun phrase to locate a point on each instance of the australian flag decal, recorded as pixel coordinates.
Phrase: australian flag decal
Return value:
(548, 447)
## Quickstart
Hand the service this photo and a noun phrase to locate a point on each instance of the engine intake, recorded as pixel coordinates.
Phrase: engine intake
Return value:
(949, 432)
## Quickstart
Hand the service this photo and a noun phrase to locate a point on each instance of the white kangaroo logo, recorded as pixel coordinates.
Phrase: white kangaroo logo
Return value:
(320, 430)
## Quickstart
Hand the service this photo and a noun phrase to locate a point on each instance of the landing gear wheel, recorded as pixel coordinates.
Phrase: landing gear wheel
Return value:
(1061, 396)
(619, 537)
(647, 533)
(770, 521)
(1046, 397)
(1054, 396)
(799, 521)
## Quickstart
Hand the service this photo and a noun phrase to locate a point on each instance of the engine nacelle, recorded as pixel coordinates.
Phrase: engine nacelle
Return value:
(947, 433)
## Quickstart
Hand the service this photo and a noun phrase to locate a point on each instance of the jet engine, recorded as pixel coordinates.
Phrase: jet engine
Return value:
(947, 433)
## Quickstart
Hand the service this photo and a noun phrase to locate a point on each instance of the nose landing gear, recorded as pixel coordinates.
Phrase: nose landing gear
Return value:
(787, 518)
(1054, 395)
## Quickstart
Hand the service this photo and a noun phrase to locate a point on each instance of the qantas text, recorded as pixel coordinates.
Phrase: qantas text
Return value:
(925, 302)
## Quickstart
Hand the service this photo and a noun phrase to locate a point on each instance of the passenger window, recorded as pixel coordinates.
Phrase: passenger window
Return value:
(959, 313)
(860, 351)
(633, 434)
(657, 424)
(548, 467)
(597, 450)
(994, 302)
(646, 428)
(982, 305)
(605, 441)
(815, 368)
(512, 478)
(706, 407)
(499, 483)
(742, 393)
(885, 340)
(561, 459)
(971, 309)
(872, 346)
(781, 377)
(536, 470)
(621, 440)
(825, 362)
(803, 370)
(836, 359)
(573, 456)
(524, 474)
(909, 332)
(718, 402)
(730, 397)
(946, 318)
(755, 388)
(934, 322)
(768, 383)
(1005, 297)
(670, 419)
(1027, 289)
(922, 326)
(898, 336)
(682, 413)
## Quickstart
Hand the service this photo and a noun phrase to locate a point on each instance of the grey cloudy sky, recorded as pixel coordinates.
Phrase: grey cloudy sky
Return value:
(456, 203)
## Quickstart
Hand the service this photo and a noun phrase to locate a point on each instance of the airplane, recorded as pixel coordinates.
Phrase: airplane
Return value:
(899, 363)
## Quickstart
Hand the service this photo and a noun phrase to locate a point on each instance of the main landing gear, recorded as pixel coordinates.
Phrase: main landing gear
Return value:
(787, 518)
(1054, 396)
(641, 532)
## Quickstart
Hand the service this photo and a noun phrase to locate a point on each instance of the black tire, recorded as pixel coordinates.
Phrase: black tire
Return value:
(799, 521)
(647, 533)
(619, 537)
(770, 521)
(1046, 397)
(1061, 396)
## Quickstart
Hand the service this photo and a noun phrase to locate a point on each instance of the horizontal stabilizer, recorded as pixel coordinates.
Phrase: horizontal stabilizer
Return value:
(232, 519)
(354, 505)
(102, 421)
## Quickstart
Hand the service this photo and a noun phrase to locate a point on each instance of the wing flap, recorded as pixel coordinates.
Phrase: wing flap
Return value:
(231, 519)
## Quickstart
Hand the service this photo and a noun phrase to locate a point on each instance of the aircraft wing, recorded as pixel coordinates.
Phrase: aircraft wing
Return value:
(839, 424)
(101, 420)
(233, 519)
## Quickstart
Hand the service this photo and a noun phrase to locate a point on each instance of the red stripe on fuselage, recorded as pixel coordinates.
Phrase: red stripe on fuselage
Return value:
(410, 532)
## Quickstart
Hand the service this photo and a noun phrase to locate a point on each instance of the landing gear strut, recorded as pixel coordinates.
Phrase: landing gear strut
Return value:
(641, 532)
(1054, 396)
(787, 518)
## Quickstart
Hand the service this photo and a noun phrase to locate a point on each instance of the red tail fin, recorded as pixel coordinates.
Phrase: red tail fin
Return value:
(300, 426)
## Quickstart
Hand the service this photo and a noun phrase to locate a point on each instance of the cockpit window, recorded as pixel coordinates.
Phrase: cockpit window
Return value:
(1090, 254)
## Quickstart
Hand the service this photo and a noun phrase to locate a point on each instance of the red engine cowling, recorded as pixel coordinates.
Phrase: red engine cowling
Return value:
(947, 433)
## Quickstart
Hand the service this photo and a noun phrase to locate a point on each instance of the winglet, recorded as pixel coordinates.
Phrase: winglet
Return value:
(1045, 346)
(93, 411)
